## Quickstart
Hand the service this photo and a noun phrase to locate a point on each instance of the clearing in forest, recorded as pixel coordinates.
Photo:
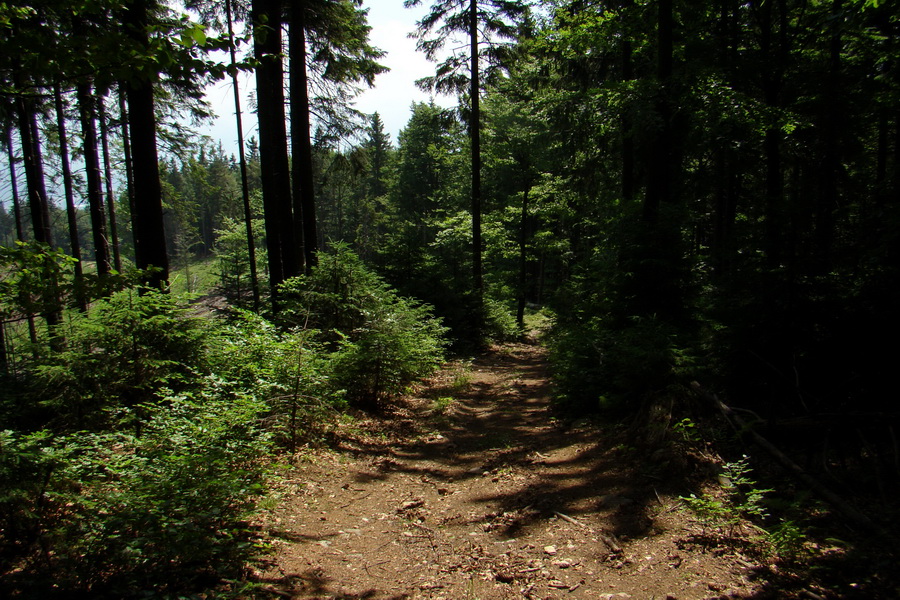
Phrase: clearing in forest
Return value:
(470, 488)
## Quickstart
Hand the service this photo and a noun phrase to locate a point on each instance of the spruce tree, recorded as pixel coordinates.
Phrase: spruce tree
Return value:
(498, 19)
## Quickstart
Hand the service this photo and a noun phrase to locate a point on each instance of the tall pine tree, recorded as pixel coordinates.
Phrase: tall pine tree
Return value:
(498, 20)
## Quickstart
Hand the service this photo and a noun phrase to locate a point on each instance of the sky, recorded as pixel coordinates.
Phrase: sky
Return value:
(394, 91)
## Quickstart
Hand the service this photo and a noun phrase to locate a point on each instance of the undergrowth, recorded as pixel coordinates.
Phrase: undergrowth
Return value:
(136, 448)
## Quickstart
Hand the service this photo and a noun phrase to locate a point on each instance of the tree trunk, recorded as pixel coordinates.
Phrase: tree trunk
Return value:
(20, 228)
(896, 178)
(14, 186)
(725, 212)
(830, 165)
(475, 135)
(653, 249)
(627, 134)
(523, 259)
(774, 178)
(71, 212)
(107, 176)
(301, 145)
(659, 180)
(94, 180)
(4, 365)
(727, 175)
(40, 210)
(245, 184)
(274, 167)
(34, 171)
(147, 218)
(126, 151)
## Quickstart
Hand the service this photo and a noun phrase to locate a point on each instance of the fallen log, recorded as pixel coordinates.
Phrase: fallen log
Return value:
(852, 515)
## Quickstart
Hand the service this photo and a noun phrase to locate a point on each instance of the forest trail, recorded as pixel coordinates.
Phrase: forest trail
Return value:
(471, 489)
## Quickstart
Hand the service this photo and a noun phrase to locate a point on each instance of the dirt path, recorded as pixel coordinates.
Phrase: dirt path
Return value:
(475, 491)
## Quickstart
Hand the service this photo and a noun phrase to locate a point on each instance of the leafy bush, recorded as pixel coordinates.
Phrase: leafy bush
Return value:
(743, 499)
(121, 353)
(149, 451)
(29, 488)
(602, 366)
(34, 279)
(233, 257)
(147, 448)
(117, 514)
(254, 354)
(379, 340)
(289, 369)
(400, 342)
(499, 323)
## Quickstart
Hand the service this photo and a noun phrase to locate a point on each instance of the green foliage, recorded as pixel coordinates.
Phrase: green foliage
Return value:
(687, 430)
(28, 462)
(711, 510)
(336, 297)
(601, 365)
(290, 369)
(400, 342)
(233, 256)
(34, 279)
(115, 513)
(787, 539)
(497, 21)
(380, 341)
(152, 429)
(738, 200)
(307, 397)
(173, 499)
(251, 352)
(442, 404)
(194, 276)
(499, 322)
(742, 499)
(461, 378)
(125, 352)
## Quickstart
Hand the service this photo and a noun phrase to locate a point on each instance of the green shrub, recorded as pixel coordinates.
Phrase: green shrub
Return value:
(499, 322)
(29, 492)
(289, 369)
(787, 539)
(743, 499)
(34, 279)
(379, 341)
(252, 352)
(603, 366)
(233, 258)
(121, 353)
(118, 514)
(400, 342)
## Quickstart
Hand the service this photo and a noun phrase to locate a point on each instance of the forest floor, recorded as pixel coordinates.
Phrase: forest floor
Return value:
(473, 488)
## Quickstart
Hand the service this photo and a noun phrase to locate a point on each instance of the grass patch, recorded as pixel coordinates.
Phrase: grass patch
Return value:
(537, 321)
(461, 377)
(441, 405)
(194, 275)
